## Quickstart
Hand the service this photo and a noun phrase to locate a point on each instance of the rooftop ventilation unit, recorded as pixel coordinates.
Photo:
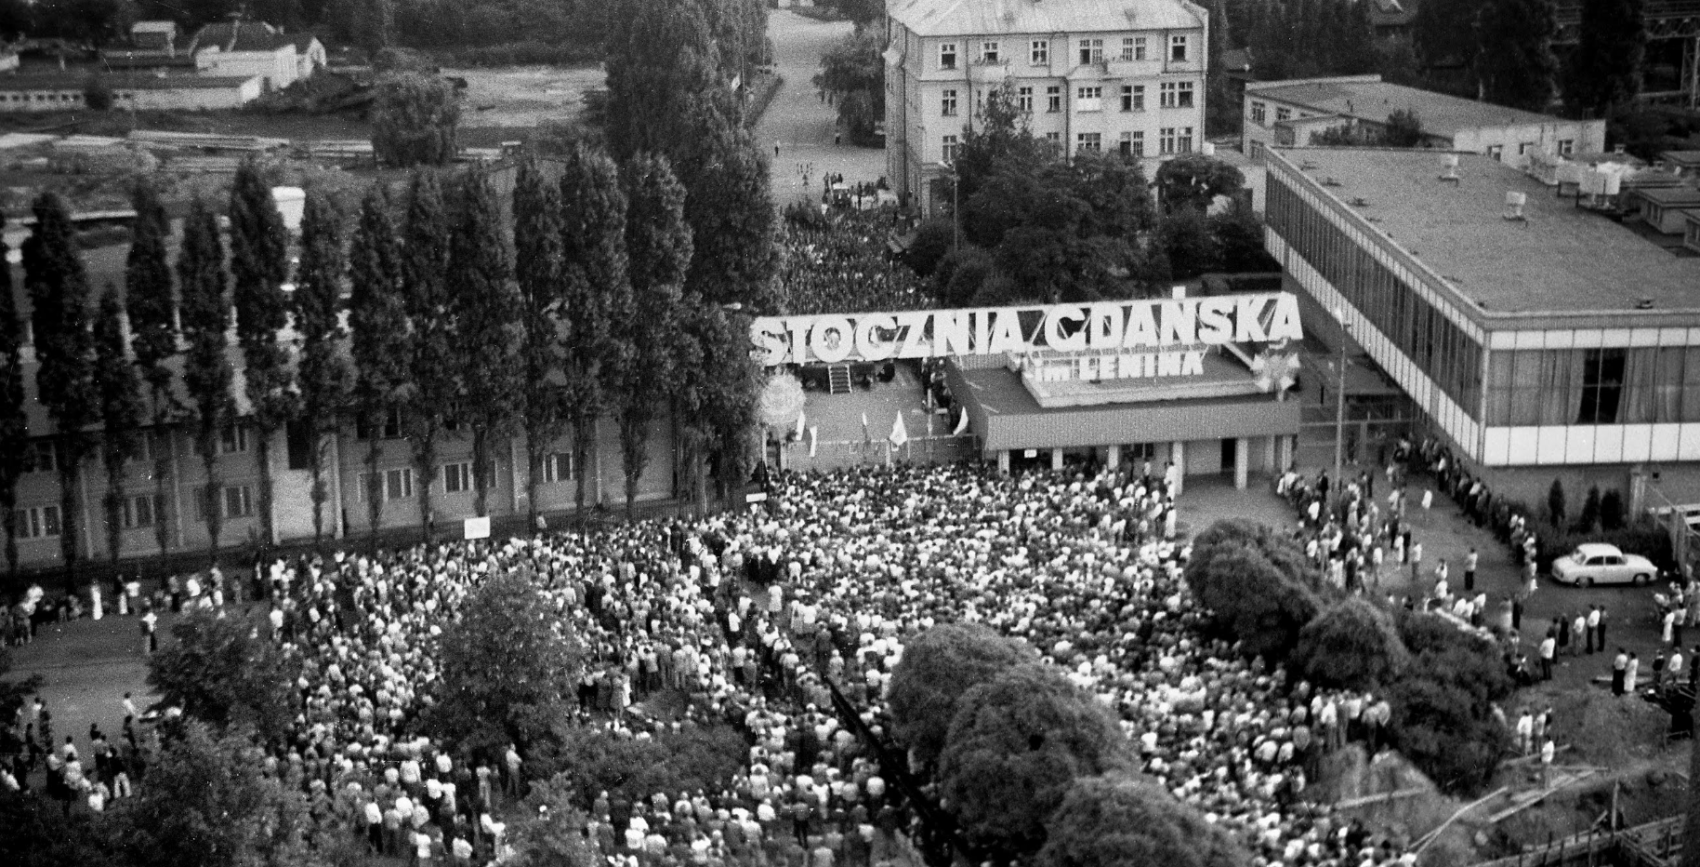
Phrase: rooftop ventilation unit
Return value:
(1307, 166)
(1644, 304)
(1514, 202)
(1361, 202)
(1330, 182)
(1449, 168)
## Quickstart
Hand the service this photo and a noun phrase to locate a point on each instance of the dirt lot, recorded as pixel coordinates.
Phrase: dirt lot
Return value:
(524, 96)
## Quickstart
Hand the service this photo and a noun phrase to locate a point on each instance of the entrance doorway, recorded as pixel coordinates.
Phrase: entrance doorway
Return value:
(1230, 452)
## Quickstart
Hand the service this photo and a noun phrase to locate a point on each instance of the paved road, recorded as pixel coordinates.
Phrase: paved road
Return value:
(799, 122)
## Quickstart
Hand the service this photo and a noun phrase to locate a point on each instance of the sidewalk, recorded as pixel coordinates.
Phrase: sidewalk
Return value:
(800, 122)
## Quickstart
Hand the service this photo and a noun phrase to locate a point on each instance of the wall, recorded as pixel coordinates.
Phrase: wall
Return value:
(276, 67)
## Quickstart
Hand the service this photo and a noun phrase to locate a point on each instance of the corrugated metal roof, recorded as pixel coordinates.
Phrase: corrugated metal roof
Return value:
(1005, 416)
(993, 17)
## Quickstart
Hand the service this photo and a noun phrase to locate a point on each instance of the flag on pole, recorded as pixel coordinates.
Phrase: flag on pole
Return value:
(799, 434)
(899, 433)
(961, 424)
(814, 439)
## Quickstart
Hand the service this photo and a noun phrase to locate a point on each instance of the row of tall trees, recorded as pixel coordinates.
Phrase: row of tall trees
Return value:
(423, 321)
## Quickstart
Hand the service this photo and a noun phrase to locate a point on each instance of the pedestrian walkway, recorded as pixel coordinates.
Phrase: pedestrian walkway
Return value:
(800, 122)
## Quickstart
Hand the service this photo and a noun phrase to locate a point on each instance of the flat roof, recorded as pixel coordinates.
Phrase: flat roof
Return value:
(1561, 259)
(1668, 196)
(79, 81)
(1367, 98)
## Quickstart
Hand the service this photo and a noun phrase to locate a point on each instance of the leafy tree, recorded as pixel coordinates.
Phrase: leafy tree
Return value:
(14, 423)
(209, 802)
(1239, 240)
(377, 322)
(1351, 645)
(1016, 745)
(1001, 139)
(853, 71)
(97, 94)
(592, 760)
(1514, 58)
(1194, 181)
(326, 375)
(259, 263)
(435, 363)
(539, 266)
(1257, 586)
(1188, 244)
(722, 398)
(220, 671)
(414, 120)
(153, 329)
(933, 240)
(121, 409)
(549, 832)
(490, 314)
(735, 254)
(206, 370)
(64, 352)
(662, 72)
(1122, 818)
(40, 834)
(1443, 718)
(1443, 32)
(509, 668)
(1604, 70)
(658, 248)
(1404, 129)
(13, 693)
(596, 295)
(937, 668)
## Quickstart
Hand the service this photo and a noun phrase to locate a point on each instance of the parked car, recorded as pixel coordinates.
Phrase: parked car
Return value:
(1598, 563)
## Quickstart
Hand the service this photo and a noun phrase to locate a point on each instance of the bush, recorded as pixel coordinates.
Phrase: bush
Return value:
(1126, 819)
(1016, 747)
(1555, 503)
(97, 95)
(1611, 510)
(1443, 719)
(937, 668)
(1257, 586)
(413, 120)
(1351, 645)
(933, 240)
(590, 761)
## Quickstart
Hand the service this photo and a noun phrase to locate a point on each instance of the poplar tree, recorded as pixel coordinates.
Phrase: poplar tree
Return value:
(658, 247)
(489, 316)
(153, 338)
(733, 227)
(1514, 59)
(259, 263)
(378, 322)
(207, 373)
(121, 410)
(14, 423)
(1604, 70)
(326, 379)
(596, 293)
(64, 352)
(434, 362)
(538, 269)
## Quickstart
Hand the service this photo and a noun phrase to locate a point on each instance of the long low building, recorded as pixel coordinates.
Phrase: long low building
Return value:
(66, 91)
(1528, 326)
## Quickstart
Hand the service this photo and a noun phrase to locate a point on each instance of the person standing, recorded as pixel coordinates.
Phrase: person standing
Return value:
(150, 634)
(1619, 671)
(1594, 628)
(1470, 561)
(1630, 673)
(1517, 612)
(1548, 749)
(1549, 648)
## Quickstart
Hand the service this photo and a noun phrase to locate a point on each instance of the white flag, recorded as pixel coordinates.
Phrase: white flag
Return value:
(899, 433)
(814, 439)
(799, 426)
(866, 437)
(961, 424)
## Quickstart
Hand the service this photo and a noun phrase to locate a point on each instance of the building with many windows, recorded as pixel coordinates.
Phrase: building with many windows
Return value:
(1091, 75)
(1291, 113)
(1539, 337)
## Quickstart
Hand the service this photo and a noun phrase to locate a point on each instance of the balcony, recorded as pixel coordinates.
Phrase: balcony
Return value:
(989, 72)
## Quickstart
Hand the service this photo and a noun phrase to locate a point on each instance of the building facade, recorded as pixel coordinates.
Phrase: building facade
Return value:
(1540, 340)
(1089, 75)
(1292, 113)
(59, 92)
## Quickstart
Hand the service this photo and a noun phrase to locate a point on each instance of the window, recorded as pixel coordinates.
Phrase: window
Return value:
(1089, 99)
(1091, 51)
(1175, 140)
(1566, 147)
(947, 149)
(1053, 137)
(1282, 114)
(1177, 48)
(1602, 385)
(1139, 452)
(390, 428)
(988, 52)
(1024, 99)
(1133, 144)
(457, 478)
(233, 440)
(392, 484)
(557, 467)
(1496, 151)
(1133, 97)
(947, 103)
(1524, 147)
(947, 55)
(1175, 94)
(41, 456)
(1259, 114)
(235, 501)
(1040, 52)
(1053, 98)
(37, 522)
(140, 511)
(1133, 48)
(1089, 141)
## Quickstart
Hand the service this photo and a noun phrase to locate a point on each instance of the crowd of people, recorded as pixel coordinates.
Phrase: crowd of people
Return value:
(838, 262)
(749, 615)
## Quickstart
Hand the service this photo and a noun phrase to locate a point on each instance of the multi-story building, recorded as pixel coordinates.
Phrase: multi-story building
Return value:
(1540, 339)
(1091, 75)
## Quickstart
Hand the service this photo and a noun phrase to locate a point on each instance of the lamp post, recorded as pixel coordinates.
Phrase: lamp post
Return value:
(1340, 407)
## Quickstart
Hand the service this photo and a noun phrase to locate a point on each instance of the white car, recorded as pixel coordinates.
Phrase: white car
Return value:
(1596, 563)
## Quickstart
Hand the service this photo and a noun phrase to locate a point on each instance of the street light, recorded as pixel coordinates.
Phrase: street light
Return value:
(1340, 407)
